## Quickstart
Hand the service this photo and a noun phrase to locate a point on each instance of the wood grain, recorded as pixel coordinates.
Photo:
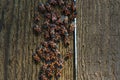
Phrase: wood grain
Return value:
(99, 39)
(98, 32)
(18, 42)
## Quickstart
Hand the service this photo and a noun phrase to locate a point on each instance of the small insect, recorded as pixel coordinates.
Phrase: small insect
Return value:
(49, 73)
(57, 29)
(57, 53)
(59, 21)
(47, 59)
(45, 50)
(52, 32)
(57, 14)
(48, 15)
(48, 7)
(73, 7)
(39, 52)
(64, 31)
(52, 58)
(66, 11)
(66, 20)
(36, 18)
(60, 2)
(36, 58)
(68, 55)
(54, 17)
(44, 44)
(60, 65)
(72, 16)
(71, 27)
(66, 41)
(57, 37)
(43, 77)
(46, 24)
(37, 28)
(58, 74)
(44, 67)
(52, 2)
(41, 7)
(52, 45)
(47, 35)
(52, 25)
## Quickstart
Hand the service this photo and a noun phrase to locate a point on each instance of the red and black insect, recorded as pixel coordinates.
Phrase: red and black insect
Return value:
(48, 7)
(41, 7)
(36, 58)
(52, 2)
(37, 29)
(68, 55)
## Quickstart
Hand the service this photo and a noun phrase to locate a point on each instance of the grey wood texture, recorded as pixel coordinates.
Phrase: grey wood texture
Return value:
(98, 32)
(98, 23)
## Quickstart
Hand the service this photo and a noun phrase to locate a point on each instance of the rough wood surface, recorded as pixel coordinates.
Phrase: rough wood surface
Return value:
(98, 24)
(98, 27)
(17, 42)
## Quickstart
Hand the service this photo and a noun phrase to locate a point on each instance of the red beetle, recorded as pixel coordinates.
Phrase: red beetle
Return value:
(52, 2)
(66, 41)
(68, 55)
(37, 28)
(41, 7)
(48, 7)
(71, 27)
(36, 57)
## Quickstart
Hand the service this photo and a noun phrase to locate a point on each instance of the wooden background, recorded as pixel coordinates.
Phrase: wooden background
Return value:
(98, 32)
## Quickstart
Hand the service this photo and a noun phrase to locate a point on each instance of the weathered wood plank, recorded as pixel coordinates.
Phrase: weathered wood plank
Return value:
(18, 42)
(98, 38)
(98, 41)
